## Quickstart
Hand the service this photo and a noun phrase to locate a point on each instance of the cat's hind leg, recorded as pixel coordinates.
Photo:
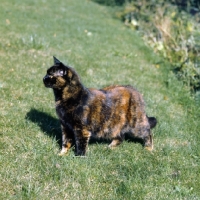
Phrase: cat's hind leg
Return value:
(116, 136)
(115, 142)
(143, 133)
(148, 142)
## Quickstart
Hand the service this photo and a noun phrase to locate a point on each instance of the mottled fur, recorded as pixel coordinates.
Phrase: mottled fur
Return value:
(106, 113)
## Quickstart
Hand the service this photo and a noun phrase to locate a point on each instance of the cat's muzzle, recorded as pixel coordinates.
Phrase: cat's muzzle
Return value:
(46, 81)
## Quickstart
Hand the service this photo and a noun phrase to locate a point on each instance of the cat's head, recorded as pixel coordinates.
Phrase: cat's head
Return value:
(59, 76)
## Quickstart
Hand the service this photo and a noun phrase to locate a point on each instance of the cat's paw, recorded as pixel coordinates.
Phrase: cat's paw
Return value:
(63, 152)
(149, 148)
(110, 146)
(115, 143)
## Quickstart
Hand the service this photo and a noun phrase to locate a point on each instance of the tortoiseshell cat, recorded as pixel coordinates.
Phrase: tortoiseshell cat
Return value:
(106, 113)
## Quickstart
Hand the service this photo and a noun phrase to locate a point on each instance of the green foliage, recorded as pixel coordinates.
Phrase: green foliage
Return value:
(187, 5)
(110, 2)
(171, 28)
(170, 32)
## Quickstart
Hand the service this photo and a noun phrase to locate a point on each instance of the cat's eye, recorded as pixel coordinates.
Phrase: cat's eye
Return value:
(61, 72)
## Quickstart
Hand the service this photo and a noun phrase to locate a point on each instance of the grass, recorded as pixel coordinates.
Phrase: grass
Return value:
(85, 36)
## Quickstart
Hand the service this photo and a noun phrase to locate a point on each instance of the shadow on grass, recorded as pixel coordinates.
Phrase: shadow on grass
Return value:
(48, 124)
(51, 126)
(127, 138)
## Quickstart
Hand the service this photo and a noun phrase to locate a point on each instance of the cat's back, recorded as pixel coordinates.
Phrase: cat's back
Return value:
(114, 108)
(122, 92)
(118, 98)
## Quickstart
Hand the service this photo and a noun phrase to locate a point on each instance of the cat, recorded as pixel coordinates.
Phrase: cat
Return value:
(107, 113)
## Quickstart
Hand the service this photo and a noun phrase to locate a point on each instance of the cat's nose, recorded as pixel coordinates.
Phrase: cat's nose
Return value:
(45, 78)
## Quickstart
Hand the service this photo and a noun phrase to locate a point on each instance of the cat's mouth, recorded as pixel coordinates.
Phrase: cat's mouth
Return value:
(48, 85)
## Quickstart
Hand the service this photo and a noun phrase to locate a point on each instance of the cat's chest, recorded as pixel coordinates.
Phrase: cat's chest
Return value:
(64, 113)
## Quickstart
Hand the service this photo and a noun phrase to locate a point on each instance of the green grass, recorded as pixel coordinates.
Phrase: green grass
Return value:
(86, 36)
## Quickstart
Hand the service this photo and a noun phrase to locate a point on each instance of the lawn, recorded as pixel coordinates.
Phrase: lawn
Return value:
(87, 37)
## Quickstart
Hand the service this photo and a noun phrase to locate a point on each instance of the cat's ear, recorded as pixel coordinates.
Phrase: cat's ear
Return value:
(56, 61)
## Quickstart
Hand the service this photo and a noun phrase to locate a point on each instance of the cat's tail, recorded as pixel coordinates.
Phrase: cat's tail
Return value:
(152, 121)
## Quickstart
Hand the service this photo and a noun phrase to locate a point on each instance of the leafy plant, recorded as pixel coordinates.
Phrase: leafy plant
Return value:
(111, 2)
(170, 32)
(171, 28)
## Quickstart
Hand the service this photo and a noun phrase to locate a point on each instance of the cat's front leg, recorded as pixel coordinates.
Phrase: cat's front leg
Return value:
(82, 138)
(67, 140)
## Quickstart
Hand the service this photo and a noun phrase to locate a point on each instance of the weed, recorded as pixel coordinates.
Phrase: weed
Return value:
(171, 32)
